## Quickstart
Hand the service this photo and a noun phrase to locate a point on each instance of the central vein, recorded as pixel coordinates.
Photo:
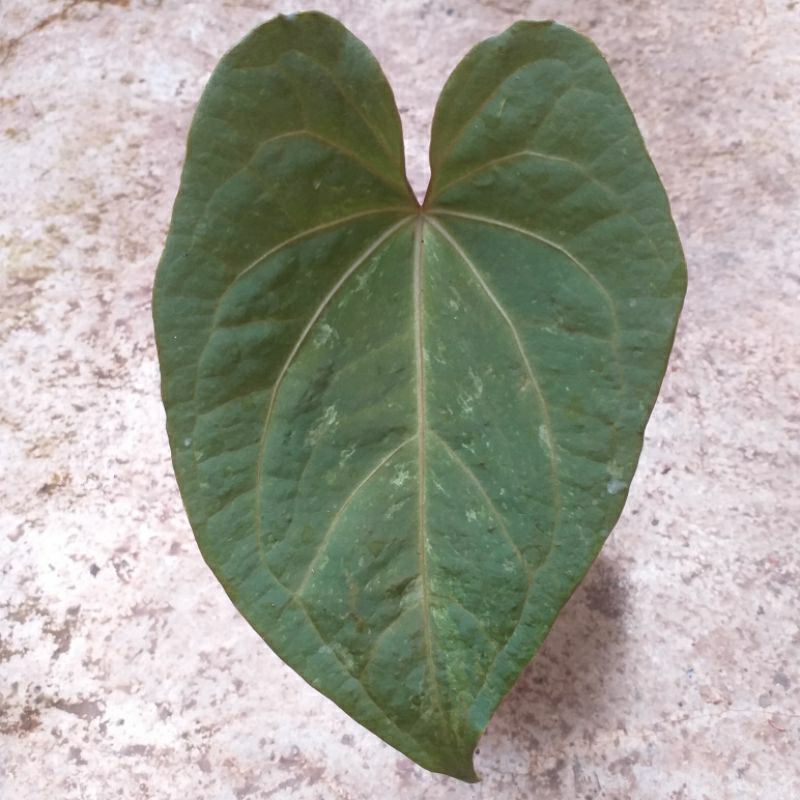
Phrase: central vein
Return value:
(422, 522)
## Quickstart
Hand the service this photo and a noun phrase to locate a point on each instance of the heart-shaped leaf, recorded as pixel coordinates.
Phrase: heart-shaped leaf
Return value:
(402, 433)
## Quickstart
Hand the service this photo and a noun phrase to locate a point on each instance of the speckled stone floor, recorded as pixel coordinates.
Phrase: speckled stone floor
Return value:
(124, 670)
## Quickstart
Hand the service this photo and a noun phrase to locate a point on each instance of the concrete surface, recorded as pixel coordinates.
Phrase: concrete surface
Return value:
(125, 672)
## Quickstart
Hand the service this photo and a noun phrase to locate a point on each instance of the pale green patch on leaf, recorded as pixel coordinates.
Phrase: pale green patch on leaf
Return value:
(403, 433)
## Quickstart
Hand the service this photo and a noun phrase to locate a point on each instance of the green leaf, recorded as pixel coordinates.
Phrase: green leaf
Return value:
(402, 434)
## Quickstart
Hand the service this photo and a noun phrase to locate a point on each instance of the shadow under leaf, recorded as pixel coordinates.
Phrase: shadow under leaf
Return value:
(568, 691)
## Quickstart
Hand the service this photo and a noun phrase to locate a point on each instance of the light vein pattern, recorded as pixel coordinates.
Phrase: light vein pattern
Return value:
(402, 433)
(300, 341)
(337, 516)
(551, 445)
(538, 237)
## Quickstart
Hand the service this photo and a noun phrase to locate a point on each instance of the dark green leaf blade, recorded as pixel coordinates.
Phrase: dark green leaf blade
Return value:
(541, 185)
(400, 446)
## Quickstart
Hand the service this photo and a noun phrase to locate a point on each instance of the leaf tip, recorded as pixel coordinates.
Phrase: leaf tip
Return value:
(461, 769)
(455, 762)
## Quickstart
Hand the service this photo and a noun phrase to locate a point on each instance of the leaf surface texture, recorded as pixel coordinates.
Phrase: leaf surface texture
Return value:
(403, 433)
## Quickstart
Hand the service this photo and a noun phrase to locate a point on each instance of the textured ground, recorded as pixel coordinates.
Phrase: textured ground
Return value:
(125, 672)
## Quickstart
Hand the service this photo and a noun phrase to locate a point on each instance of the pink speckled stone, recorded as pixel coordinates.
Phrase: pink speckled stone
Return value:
(124, 670)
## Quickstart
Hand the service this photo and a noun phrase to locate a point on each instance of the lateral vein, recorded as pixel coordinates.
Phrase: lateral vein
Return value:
(550, 243)
(521, 350)
(470, 473)
(337, 516)
(298, 344)
(543, 405)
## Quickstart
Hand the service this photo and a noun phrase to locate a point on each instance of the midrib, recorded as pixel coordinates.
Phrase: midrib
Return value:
(421, 425)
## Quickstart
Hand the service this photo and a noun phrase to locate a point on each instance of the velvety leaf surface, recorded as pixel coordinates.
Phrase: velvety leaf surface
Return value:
(402, 434)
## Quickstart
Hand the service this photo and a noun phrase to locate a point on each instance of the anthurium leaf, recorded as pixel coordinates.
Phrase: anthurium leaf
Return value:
(402, 433)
